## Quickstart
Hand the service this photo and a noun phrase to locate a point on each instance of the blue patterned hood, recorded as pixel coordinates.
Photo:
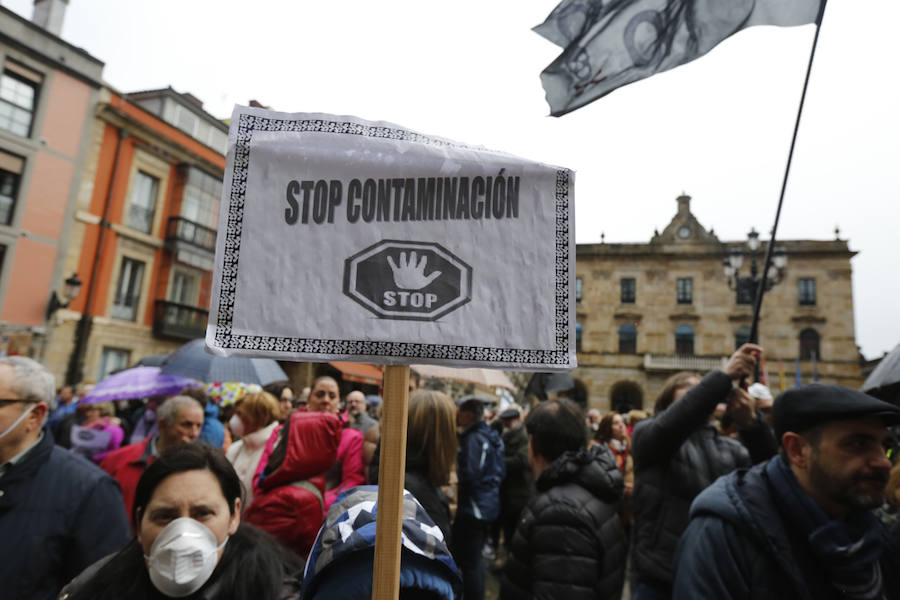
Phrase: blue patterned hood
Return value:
(341, 562)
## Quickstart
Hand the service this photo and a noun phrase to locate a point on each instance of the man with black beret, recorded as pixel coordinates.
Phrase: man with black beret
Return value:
(799, 525)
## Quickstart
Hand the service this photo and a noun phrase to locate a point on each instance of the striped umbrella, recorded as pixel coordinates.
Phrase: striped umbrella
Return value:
(486, 377)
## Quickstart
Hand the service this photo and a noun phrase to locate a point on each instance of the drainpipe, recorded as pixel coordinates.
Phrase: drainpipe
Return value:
(75, 371)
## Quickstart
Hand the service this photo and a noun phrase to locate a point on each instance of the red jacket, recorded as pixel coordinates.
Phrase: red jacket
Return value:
(126, 465)
(289, 512)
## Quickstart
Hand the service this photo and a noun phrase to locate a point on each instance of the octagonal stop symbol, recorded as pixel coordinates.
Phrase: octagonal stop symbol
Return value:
(417, 281)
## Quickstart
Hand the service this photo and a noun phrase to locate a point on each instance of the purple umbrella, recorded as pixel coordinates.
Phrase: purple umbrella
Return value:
(138, 382)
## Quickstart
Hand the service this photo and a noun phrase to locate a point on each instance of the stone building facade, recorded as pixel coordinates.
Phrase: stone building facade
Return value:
(648, 310)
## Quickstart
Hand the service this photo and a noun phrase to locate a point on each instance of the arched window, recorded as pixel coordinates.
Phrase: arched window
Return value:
(684, 340)
(577, 337)
(627, 339)
(741, 336)
(809, 345)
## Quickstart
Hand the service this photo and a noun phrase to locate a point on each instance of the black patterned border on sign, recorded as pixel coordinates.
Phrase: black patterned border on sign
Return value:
(247, 125)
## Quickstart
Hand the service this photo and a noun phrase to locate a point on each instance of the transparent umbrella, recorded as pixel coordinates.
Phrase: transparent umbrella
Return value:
(192, 360)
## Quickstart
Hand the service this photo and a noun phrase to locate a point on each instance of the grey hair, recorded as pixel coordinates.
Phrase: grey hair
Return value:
(32, 381)
(168, 412)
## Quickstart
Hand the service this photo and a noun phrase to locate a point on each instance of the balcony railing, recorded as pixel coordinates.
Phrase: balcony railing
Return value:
(668, 362)
(182, 230)
(181, 321)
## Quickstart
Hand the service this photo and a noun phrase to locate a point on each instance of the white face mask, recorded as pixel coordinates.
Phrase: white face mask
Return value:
(236, 426)
(17, 421)
(182, 557)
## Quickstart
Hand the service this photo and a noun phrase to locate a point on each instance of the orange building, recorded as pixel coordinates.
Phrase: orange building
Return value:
(143, 238)
(48, 89)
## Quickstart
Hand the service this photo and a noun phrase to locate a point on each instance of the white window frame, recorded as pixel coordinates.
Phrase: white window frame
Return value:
(108, 352)
(123, 311)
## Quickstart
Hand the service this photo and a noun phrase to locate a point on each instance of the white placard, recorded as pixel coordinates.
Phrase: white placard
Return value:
(346, 239)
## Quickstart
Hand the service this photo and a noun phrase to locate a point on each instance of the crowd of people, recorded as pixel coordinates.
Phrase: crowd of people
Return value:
(719, 491)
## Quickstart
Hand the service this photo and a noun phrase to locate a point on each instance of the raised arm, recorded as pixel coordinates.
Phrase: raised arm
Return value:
(655, 439)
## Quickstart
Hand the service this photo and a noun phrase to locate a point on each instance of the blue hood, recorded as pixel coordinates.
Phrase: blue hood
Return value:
(213, 432)
(341, 562)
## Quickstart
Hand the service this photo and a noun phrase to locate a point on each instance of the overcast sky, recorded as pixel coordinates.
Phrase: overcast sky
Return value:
(718, 129)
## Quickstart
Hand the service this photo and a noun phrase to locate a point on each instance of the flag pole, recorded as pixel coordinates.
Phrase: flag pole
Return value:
(757, 304)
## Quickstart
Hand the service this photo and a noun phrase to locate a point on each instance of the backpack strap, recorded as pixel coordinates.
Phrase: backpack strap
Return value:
(312, 488)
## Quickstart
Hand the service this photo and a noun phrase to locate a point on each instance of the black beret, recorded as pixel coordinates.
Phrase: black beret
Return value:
(510, 413)
(804, 407)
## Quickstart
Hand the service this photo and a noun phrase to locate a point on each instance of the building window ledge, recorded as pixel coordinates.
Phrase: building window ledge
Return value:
(629, 317)
(740, 317)
(684, 316)
(808, 318)
(134, 234)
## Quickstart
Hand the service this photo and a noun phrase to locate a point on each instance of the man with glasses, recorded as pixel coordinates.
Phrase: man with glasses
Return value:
(800, 525)
(58, 512)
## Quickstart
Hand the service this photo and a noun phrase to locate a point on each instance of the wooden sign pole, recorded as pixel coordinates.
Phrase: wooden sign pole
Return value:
(391, 474)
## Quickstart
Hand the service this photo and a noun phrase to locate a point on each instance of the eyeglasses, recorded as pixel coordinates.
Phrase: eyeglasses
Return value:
(7, 401)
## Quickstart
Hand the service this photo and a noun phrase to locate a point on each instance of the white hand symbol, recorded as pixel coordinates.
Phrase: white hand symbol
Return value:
(409, 275)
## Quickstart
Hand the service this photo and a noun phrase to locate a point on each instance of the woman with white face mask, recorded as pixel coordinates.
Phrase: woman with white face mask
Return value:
(190, 542)
(255, 419)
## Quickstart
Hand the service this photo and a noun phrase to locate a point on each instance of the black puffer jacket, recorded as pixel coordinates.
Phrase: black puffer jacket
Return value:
(569, 542)
(677, 454)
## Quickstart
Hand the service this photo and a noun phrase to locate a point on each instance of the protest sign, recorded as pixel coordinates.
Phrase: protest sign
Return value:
(343, 239)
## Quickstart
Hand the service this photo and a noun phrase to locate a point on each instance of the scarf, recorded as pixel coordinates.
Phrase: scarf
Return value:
(619, 449)
(259, 438)
(848, 551)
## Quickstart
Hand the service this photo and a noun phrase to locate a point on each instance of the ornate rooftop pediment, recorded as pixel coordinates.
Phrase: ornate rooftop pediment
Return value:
(684, 228)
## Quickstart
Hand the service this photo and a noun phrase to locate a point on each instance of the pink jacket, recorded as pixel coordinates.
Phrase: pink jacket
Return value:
(347, 471)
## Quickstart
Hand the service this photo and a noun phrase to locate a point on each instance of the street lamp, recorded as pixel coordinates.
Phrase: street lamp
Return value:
(70, 292)
(746, 286)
